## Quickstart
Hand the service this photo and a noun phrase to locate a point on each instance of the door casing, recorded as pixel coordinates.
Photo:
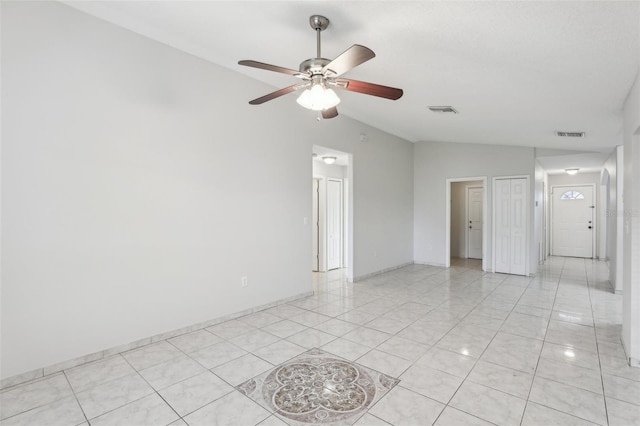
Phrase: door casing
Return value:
(334, 228)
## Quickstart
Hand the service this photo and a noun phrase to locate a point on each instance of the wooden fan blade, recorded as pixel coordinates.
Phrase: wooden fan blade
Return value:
(369, 88)
(277, 94)
(349, 59)
(330, 113)
(268, 67)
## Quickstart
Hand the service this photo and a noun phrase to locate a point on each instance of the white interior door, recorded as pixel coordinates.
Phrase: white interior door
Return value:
(518, 226)
(334, 224)
(502, 195)
(511, 225)
(474, 219)
(572, 221)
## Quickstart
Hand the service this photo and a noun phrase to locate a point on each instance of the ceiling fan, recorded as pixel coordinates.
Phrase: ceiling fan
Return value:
(320, 75)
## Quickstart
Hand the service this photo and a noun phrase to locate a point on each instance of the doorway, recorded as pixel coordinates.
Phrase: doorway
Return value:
(466, 204)
(474, 219)
(331, 226)
(573, 221)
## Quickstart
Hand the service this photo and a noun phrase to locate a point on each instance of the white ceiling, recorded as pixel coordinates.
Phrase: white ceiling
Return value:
(516, 71)
(557, 162)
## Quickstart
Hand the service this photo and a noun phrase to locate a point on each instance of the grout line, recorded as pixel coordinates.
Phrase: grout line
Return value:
(604, 397)
(533, 379)
(76, 397)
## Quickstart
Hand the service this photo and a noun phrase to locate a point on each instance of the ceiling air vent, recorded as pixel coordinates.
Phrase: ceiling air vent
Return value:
(444, 109)
(570, 134)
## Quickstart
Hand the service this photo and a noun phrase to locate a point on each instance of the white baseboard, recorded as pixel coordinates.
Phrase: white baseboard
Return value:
(424, 262)
(55, 368)
(381, 271)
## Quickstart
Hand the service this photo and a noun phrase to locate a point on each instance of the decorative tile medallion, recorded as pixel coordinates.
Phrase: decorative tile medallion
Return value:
(318, 388)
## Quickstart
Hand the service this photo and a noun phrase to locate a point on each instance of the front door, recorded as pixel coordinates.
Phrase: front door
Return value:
(474, 218)
(572, 222)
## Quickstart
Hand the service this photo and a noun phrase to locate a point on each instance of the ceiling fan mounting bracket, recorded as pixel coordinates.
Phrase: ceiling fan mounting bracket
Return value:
(318, 22)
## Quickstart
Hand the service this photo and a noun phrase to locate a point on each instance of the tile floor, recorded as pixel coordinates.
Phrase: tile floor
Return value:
(469, 348)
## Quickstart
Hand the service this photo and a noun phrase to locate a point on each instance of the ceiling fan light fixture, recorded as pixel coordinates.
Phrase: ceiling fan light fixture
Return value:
(319, 74)
(329, 159)
(571, 171)
(318, 98)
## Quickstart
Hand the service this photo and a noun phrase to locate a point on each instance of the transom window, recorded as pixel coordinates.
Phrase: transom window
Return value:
(572, 195)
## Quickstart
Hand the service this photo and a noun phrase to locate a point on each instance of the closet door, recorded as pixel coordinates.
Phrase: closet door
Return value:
(518, 226)
(503, 225)
(511, 225)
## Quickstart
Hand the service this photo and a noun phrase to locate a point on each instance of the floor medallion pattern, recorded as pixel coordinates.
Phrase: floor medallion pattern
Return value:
(318, 388)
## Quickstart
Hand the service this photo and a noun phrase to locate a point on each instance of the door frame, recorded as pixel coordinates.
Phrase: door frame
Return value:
(545, 222)
(527, 268)
(315, 225)
(447, 242)
(466, 219)
(594, 220)
(342, 227)
(321, 224)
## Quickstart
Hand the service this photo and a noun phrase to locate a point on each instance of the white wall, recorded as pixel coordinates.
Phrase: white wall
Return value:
(612, 170)
(320, 169)
(382, 192)
(458, 217)
(434, 163)
(540, 212)
(138, 186)
(631, 194)
(577, 179)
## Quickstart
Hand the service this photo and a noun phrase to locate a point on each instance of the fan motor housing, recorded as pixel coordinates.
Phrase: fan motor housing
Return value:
(313, 65)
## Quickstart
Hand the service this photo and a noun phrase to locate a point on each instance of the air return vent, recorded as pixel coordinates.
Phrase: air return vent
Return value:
(443, 109)
(570, 134)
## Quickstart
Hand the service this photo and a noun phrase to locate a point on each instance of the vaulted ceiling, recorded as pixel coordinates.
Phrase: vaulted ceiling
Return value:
(515, 71)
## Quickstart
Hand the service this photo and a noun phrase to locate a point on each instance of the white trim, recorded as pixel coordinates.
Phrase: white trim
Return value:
(447, 243)
(315, 224)
(322, 222)
(326, 228)
(382, 271)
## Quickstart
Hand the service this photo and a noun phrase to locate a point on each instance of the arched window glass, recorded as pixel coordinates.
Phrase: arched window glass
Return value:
(572, 195)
